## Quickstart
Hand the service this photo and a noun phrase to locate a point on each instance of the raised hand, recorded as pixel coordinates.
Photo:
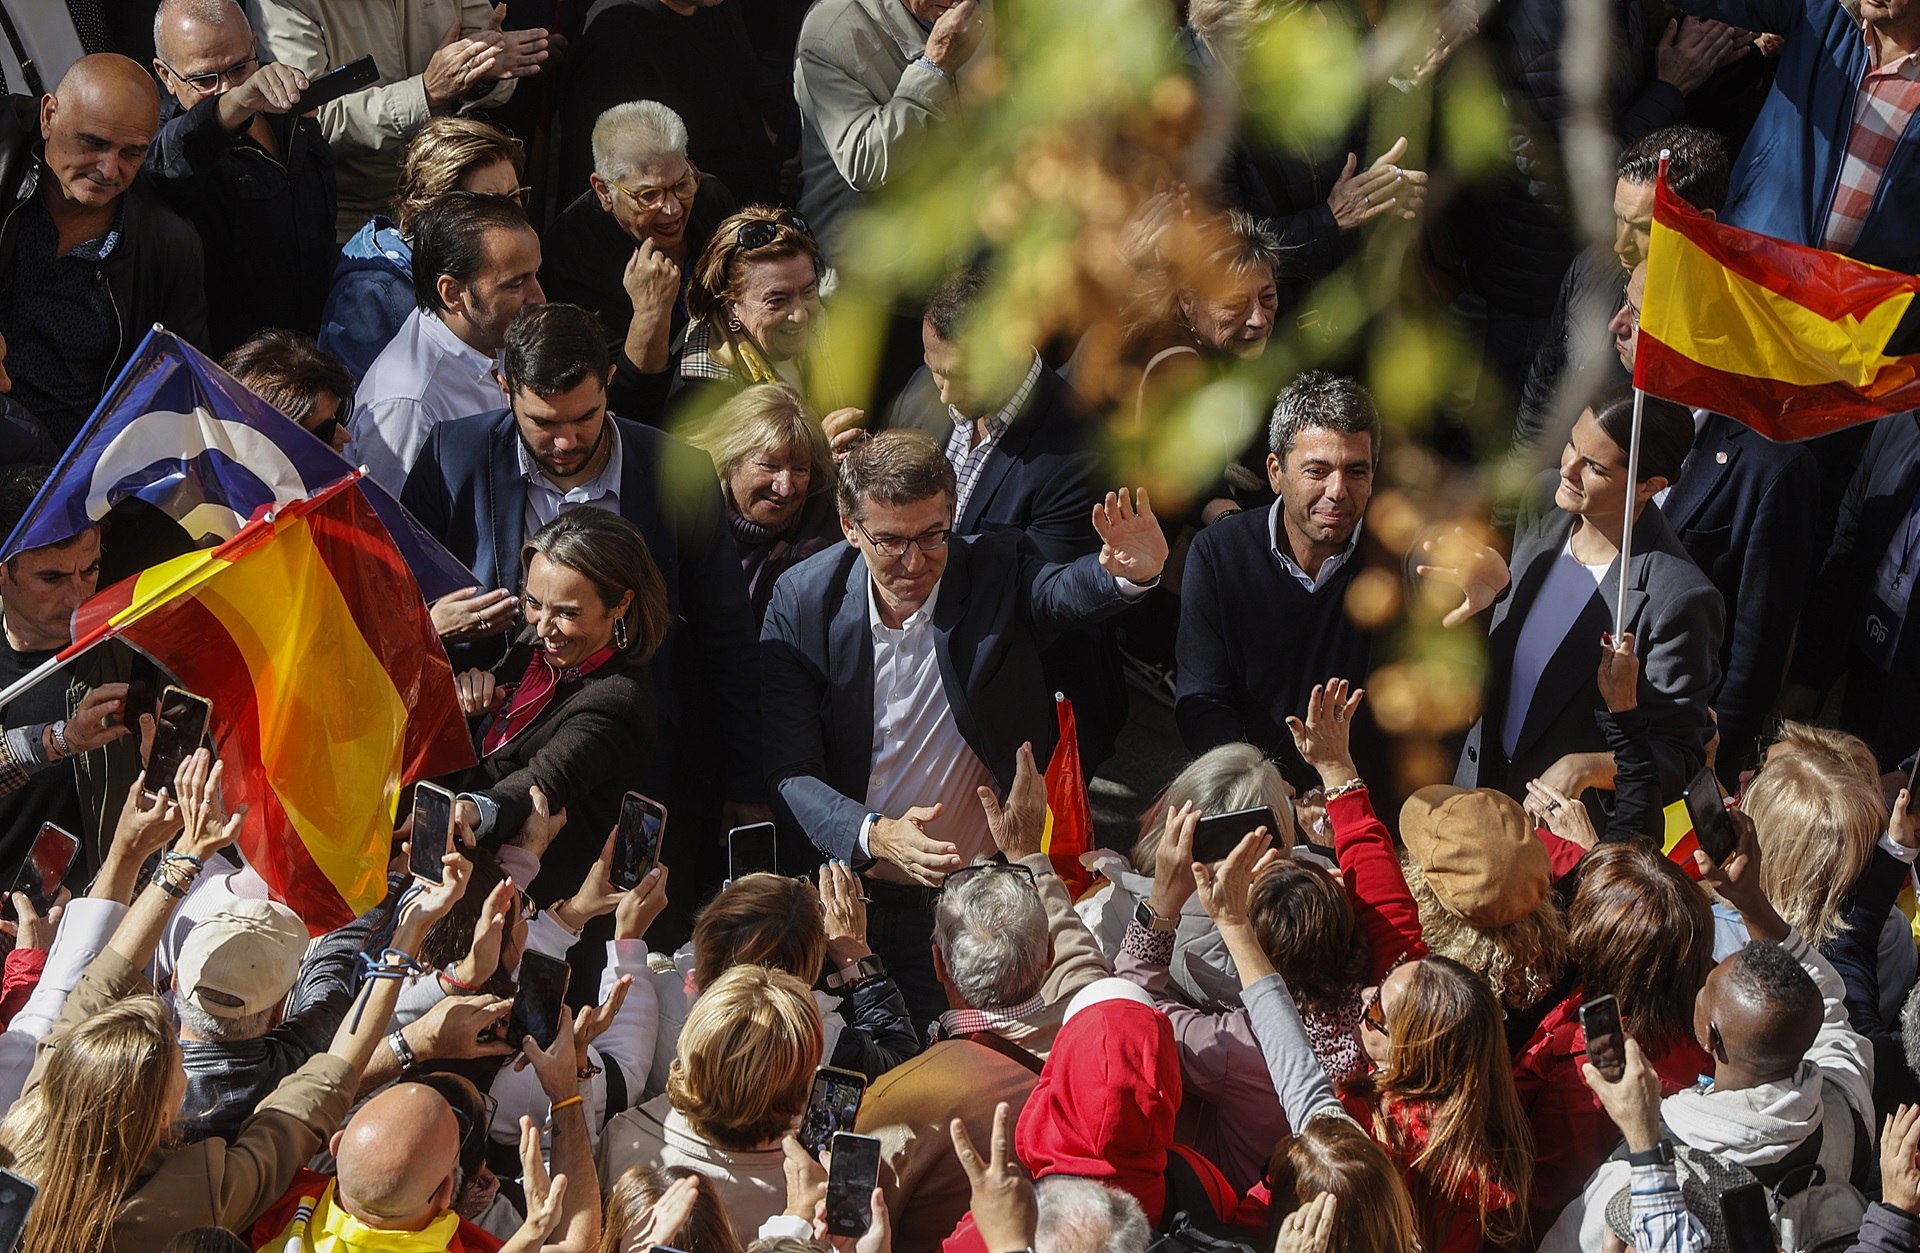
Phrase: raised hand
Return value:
(1005, 1209)
(639, 907)
(590, 1022)
(1226, 889)
(1132, 545)
(1019, 825)
(546, 1196)
(208, 829)
(1619, 673)
(1308, 1229)
(1173, 862)
(483, 952)
(846, 913)
(956, 36)
(1738, 881)
(1478, 571)
(1323, 737)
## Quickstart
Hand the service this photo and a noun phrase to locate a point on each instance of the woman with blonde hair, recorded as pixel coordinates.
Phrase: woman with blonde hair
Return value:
(735, 1091)
(1817, 823)
(776, 480)
(373, 284)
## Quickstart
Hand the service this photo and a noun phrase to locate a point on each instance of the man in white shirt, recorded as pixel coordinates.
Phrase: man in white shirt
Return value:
(901, 675)
(476, 263)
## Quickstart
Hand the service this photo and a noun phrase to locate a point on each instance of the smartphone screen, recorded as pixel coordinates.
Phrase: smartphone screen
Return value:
(1606, 1038)
(46, 867)
(432, 829)
(1749, 1226)
(636, 849)
(850, 1184)
(831, 1107)
(750, 850)
(16, 1202)
(1216, 835)
(182, 725)
(1707, 810)
(541, 1000)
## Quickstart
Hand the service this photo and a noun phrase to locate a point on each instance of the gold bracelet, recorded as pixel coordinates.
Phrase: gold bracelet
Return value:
(557, 1106)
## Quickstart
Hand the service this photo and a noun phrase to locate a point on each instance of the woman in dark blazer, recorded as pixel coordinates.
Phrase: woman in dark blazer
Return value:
(1556, 601)
(570, 708)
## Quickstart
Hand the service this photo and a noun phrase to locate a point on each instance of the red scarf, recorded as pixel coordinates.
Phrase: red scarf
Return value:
(534, 693)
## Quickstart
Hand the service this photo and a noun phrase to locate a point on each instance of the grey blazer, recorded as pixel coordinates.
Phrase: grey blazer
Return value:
(1676, 617)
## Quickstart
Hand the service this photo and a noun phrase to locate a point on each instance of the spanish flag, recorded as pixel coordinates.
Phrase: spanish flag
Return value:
(1069, 830)
(330, 690)
(1680, 842)
(1792, 341)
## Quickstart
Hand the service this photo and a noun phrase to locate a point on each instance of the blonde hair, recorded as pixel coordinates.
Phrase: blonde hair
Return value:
(99, 1112)
(747, 1056)
(1840, 749)
(440, 158)
(1817, 822)
(1521, 961)
(764, 418)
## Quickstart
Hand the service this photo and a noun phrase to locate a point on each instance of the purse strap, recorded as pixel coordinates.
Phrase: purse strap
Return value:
(29, 72)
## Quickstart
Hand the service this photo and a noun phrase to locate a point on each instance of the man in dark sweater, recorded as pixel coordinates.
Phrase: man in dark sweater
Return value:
(1263, 612)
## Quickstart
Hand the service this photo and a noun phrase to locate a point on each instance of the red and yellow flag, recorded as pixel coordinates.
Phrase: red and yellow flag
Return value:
(329, 687)
(1069, 830)
(1792, 341)
(1680, 841)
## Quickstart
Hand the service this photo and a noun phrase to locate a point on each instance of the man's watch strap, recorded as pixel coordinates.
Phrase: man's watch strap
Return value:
(1660, 1154)
(866, 968)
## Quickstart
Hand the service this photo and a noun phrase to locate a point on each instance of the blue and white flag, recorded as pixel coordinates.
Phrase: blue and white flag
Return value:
(183, 435)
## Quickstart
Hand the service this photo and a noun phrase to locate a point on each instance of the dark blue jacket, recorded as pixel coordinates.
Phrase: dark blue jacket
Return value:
(466, 490)
(372, 295)
(1784, 178)
(999, 604)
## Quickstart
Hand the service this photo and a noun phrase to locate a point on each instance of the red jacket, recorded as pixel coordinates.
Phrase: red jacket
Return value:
(23, 969)
(1370, 869)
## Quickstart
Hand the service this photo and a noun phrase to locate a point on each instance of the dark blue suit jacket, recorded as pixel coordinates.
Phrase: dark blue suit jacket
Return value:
(466, 490)
(999, 603)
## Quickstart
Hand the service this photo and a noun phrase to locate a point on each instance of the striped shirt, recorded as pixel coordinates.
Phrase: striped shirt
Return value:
(1885, 104)
(969, 458)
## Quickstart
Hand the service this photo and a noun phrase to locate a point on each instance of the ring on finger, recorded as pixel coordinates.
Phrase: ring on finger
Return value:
(1552, 805)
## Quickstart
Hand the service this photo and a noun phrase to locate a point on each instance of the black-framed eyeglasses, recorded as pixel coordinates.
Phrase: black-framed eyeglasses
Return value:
(896, 545)
(653, 199)
(967, 872)
(1373, 1013)
(217, 80)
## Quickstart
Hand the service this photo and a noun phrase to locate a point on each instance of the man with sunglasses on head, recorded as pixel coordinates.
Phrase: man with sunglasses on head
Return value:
(254, 177)
(626, 246)
(901, 675)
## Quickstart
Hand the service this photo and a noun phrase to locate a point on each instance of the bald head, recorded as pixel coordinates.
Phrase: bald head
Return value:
(396, 1158)
(1766, 1010)
(97, 125)
(208, 40)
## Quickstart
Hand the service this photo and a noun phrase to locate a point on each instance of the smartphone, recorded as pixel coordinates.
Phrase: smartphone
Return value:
(1749, 1226)
(541, 1000)
(1707, 810)
(1606, 1038)
(750, 850)
(340, 81)
(180, 728)
(1216, 835)
(432, 831)
(831, 1107)
(139, 701)
(46, 868)
(850, 1184)
(636, 847)
(16, 1202)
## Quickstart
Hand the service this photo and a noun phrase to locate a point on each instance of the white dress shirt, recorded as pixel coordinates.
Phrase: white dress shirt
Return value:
(1283, 551)
(546, 501)
(426, 376)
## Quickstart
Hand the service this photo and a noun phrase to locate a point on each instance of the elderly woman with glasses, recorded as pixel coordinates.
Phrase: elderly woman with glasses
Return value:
(624, 248)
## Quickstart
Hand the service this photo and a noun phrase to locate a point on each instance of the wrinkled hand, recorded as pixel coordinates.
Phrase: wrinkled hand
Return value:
(1323, 739)
(1478, 571)
(207, 828)
(96, 720)
(471, 613)
(1132, 545)
(1693, 48)
(846, 913)
(1619, 674)
(456, 65)
(1309, 1229)
(1226, 889)
(844, 428)
(590, 1022)
(546, 1195)
(652, 279)
(637, 909)
(273, 88)
(806, 1178)
(956, 36)
(1359, 196)
(904, 842)
(1005, 1209)
(1559, 813)
(1634, 1102)
(1018, 826)
(1173, 862)
(454, 1028)
(1900, 1159)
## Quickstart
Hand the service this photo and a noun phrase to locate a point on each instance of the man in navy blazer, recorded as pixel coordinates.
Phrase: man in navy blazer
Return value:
(484, 484)
(902, 676)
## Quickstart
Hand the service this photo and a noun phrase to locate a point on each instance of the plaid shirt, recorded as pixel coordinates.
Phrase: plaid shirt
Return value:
(969, 458)
(963, 1022)
(1886, 102)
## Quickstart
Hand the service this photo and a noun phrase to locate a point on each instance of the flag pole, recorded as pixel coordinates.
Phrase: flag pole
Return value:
(33, 678)
(1626, 527)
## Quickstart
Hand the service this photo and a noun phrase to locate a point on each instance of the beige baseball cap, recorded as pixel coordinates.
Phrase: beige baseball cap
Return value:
(243, 959)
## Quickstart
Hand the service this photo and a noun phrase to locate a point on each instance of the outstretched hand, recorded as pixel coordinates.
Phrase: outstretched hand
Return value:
(1323, 738)
(1227, 889)
(1478, 570)
(1019, 825)
(1132, 545)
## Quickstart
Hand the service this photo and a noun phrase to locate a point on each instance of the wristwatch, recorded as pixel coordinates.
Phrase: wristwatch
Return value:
(1660, 1154)
(1144, 915)
(861, 971)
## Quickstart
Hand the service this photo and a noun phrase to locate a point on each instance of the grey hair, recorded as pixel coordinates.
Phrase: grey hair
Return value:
(633, 134)
(991, 930)
(1085, 1216)
(206, 12)
(1333, 402)
(1219, 781)
(1910, 1027)
(222, 1030)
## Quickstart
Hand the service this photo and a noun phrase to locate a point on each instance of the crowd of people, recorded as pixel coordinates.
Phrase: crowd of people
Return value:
(561, 286)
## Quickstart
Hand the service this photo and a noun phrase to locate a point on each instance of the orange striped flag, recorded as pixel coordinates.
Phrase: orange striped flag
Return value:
(1792, 341)
(329, 687)
(1069, 830)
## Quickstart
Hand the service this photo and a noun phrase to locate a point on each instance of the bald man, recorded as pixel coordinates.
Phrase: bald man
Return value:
(253, 176)
(89, 257)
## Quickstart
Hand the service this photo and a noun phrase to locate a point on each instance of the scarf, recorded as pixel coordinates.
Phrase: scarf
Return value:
(1335, 1036)
(534, 693)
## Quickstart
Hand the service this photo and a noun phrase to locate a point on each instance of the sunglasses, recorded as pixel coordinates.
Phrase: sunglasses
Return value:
(1373, 1013)
(967, 872)
(760, 232)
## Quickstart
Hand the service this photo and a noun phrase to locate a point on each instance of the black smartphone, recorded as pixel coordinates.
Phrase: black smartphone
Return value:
(432, 831)
(1606, 1038)
(850, 1183)
(831, 1107)
(16, 1202)
(751, 849)
(1749, 1225)
(1216, 835)
(46, 868)
(541, 1000)
(139, 701)
(636, 846)
(340, 81)
(177, 735)
(1707, 810)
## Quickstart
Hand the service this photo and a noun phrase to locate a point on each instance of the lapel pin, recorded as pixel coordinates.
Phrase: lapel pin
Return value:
(1721, 456)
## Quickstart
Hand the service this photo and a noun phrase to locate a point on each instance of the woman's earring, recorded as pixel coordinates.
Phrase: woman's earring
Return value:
(620, 634)
(733, 324)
